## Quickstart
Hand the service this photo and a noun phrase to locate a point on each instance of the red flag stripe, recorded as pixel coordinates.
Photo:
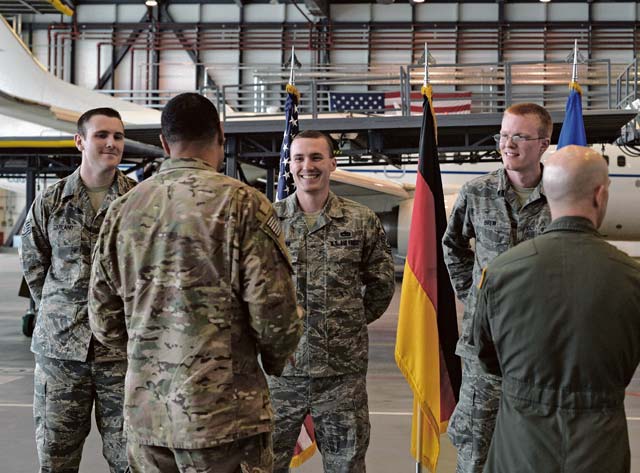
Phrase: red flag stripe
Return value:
(422, 254)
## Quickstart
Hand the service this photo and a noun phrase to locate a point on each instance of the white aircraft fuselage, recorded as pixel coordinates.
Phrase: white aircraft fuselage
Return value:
(621, 222)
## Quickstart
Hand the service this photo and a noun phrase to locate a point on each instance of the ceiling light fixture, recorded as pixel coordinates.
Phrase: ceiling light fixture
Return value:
(151, 3)
(545, 1)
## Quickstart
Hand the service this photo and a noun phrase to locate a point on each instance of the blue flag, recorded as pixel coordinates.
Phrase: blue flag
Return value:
(572, 132)
(286, 185)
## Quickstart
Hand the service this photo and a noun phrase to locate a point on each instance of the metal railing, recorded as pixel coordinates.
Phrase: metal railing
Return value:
(627, 97)
(493, 87)
(485, 81)
(627, 85)
(158, 98)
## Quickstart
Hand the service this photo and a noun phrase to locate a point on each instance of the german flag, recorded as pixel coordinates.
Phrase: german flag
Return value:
(427, 325)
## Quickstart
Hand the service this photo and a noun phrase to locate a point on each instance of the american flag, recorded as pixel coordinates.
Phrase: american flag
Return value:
(306, 443)
(390, 103)
(291, 129)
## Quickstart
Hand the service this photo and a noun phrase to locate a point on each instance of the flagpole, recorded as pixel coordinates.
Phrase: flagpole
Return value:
(574, 74)
(293, 55)
(425, 82)
(426, 65)
(418, 438)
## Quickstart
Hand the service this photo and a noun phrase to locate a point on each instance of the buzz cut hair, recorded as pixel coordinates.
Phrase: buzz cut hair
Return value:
(317, 135)
(86, 116)
(545, 128)
(190, 117)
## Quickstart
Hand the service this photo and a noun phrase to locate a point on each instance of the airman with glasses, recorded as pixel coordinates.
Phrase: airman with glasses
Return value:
(499, 137)
(498, 211)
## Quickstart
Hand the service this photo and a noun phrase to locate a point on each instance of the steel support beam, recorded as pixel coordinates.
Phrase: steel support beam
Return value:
(188, 47)
(231, 154)
(319, 8)
(120, 55)
(271, 183)
(155, 52)
(26, 5)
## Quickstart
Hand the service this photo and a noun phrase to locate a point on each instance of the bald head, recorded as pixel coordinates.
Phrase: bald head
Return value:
(576, 182)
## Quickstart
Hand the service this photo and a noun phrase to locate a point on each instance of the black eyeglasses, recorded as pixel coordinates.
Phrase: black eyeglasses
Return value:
(499, 137)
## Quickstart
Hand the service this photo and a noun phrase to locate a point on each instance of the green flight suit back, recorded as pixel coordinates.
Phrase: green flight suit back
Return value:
(558, 317)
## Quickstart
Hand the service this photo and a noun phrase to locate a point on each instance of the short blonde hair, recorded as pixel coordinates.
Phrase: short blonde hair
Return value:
(546, 124)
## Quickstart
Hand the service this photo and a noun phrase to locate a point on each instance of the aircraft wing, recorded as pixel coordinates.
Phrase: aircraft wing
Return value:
(366, 185)
(36, 106)
(31, 84)
(31, 119)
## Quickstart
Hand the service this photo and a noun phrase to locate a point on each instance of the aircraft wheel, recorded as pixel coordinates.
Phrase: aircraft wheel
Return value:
(28, 323)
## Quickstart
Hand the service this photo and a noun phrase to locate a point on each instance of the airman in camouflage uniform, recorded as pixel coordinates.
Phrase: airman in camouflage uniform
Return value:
(344, 280)
(191, 276)
(73, 371)
(498, 211)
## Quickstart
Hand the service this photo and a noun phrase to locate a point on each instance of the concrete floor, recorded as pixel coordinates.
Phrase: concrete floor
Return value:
(390, 399)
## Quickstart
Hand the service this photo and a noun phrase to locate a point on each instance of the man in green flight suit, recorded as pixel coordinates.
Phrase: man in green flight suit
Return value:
(558, 318)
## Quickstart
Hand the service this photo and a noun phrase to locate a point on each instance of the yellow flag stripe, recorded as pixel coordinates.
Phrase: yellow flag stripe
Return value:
(418, 357)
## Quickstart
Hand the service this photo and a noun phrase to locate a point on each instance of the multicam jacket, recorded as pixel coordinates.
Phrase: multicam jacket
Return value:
(344, 281)
(58, 237)
(192, 276)
(488, 211)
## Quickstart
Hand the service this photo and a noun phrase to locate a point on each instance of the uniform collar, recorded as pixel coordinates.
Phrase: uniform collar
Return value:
(331, 209)
(504, 184)
(74, 184)
(572, 224)
(185, 163)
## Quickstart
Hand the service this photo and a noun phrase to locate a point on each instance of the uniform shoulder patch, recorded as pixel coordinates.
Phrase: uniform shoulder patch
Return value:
(270, 225)
(274, 225)
(268, 219)
(484, 272)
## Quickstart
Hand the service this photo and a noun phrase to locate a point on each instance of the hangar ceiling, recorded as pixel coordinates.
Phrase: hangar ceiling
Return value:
(30, 7)
(318, 8)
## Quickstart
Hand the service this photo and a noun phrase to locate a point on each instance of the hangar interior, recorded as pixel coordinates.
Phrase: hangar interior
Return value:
(484, 55)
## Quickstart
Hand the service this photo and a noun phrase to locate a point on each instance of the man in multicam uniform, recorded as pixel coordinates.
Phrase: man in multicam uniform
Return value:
(498, 211)
(344, 280)
(73, 371)
(191, 276)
